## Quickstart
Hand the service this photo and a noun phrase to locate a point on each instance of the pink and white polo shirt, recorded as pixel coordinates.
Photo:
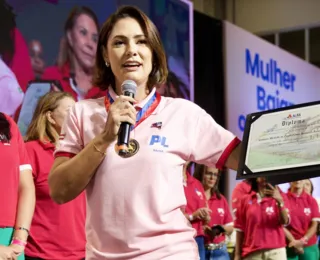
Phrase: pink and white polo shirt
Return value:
(133, 204)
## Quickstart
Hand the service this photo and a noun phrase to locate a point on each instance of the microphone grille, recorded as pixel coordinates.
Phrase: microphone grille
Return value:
(129, 86)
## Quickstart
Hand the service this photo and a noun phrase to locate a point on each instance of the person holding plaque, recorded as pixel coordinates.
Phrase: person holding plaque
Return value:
(301, 232)
(134, 199)
(259, 222)
(221, 222)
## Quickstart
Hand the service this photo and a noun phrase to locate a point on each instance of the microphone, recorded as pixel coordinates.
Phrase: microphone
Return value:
(128, 88)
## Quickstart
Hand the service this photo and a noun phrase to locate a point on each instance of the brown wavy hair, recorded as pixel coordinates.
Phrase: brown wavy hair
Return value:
(199, 173)
(103, 76)
(40, 128)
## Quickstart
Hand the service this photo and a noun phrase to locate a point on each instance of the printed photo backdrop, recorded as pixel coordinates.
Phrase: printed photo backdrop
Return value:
(39, 37)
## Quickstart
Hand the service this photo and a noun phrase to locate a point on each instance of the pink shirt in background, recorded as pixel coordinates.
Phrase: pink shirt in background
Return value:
(11, 94)
(134, 204)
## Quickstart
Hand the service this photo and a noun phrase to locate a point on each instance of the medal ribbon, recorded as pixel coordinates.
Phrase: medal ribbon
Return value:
(144, 112)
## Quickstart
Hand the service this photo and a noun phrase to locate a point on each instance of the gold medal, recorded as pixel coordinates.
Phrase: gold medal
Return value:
(128, 151)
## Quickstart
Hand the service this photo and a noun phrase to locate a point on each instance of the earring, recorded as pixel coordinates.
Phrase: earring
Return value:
(107, 64)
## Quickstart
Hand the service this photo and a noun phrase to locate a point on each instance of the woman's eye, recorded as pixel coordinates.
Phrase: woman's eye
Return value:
(117, 43)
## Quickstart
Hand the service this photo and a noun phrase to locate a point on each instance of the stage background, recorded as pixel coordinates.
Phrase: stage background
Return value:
(249, 88)
(209, 71)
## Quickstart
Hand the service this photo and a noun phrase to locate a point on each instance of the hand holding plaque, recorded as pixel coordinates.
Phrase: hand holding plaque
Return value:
(282, 144)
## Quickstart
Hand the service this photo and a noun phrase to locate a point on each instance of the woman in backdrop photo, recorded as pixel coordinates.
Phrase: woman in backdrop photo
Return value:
(196, 210)
(215, 240)
(259, 222)
(301, 232)
(134, 201)
(17, 194)
(76, 59)
(57, 231)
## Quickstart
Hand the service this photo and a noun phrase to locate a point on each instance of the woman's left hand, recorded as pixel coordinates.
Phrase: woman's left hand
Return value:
(274, 193)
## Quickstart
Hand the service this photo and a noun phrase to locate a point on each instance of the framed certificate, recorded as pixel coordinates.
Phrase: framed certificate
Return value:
(282, 145)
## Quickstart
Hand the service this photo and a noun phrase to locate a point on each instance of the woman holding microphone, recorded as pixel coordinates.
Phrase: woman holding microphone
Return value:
(134, 202)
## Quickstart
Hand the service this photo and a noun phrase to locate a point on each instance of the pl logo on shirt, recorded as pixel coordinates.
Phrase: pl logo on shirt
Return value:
(159, 143)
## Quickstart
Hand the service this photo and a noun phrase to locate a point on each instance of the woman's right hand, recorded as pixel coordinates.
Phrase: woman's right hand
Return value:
(297, 245)
(120, 111)
(7, 253)
(202, 213)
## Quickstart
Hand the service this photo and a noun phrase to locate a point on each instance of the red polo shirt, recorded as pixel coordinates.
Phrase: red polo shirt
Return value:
(259, 220)
(241, 189)
(303, 210)
(20, 63)
(63, 75)
(220, 215)
(13, 159)
(57, 231)
(196, 199)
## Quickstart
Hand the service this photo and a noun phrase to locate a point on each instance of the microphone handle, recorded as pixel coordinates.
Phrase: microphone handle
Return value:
(124, 130)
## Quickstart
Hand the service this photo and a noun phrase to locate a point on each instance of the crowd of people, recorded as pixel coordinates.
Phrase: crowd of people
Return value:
(66, 193)
(269, 223)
